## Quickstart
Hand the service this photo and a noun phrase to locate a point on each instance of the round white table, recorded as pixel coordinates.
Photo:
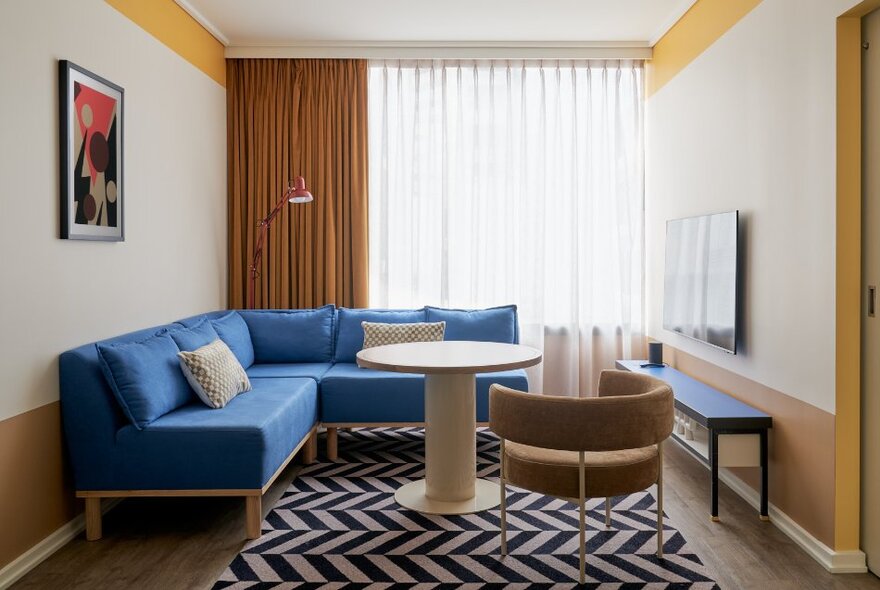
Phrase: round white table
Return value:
(450, 485)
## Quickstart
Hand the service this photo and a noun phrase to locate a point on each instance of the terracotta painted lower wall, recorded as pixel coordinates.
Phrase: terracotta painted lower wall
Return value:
(36, 495)
(801, 445)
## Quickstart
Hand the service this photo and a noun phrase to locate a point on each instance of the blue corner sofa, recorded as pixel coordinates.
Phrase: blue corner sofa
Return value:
(134, 428)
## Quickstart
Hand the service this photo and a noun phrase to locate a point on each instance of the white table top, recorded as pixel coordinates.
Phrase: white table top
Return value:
(448, 357)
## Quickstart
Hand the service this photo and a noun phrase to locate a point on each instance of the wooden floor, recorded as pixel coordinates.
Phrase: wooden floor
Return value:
(185, 544)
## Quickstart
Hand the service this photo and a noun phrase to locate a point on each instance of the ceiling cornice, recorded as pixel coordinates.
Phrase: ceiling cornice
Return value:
(202, 20)
(447, 49)
(680, 10)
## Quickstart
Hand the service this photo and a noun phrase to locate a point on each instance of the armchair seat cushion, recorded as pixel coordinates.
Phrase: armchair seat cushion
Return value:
(350, 394)
(555, 473)
(237, 447)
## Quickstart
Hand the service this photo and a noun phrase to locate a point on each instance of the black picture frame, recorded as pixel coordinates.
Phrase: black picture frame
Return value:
(91, 143)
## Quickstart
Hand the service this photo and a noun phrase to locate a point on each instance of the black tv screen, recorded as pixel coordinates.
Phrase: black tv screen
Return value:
(700, 284)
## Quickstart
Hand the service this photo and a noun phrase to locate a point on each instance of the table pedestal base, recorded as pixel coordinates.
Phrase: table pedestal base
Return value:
(412, 496)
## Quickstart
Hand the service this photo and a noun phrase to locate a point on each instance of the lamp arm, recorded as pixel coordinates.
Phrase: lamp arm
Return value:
(258, 247)
(267, 221)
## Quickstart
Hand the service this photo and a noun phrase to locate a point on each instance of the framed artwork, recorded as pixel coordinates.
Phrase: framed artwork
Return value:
(92, 195)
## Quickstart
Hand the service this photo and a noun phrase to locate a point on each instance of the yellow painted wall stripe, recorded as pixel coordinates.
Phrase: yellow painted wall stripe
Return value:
(700, 27)
(174, 27)
(847, 444)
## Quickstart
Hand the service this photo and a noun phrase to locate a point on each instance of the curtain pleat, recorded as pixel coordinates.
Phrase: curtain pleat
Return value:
(299, 117)
(509, 181)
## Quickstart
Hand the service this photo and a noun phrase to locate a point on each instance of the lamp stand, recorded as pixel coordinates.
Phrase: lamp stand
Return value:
(296, 193)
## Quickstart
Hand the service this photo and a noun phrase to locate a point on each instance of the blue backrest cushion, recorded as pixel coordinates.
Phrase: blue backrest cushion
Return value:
(91, 413)
(350, 334)
(145, 377)
(234, 332)
(495, 324)
(196, 319)
(292, 335)
(194, 337)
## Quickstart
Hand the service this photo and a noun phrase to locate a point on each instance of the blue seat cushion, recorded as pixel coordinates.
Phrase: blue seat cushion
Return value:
(194, 337)
(237, 447)
(234, 332)
(350, 334)
(350, 394)
(496, 324)
(145, 377)
(291, 335)
(291, 370)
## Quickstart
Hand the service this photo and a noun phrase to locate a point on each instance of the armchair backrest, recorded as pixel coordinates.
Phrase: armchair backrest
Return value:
(632, 411)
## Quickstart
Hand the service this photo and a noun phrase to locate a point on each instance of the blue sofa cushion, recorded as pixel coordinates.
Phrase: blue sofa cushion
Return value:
(194, 337)
(350, 394)
(291, 336)
(291, 370)
(234, 332)
(237, 447)
(145, 377)
(496, 324)
(190, 321)
(350, 334)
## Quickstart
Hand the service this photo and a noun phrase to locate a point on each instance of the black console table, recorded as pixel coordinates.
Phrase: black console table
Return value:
(718, 429)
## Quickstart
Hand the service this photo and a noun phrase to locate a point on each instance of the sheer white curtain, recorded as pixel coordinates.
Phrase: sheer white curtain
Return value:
(495, 182)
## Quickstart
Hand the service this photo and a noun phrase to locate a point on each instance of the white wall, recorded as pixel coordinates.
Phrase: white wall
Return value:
(750, 125)
(56, 294)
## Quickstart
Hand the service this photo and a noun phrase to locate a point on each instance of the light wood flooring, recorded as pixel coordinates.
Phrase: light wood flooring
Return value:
(171, 543)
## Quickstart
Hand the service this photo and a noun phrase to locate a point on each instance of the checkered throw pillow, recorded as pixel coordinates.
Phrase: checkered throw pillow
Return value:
(376, 334)
(214, 373)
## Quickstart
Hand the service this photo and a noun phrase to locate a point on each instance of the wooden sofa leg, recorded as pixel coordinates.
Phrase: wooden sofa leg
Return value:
(93, 519)
(310, 449)
(253, 516)
(332, 443)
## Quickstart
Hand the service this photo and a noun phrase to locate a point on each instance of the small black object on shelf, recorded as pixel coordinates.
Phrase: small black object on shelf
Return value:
(655, 354)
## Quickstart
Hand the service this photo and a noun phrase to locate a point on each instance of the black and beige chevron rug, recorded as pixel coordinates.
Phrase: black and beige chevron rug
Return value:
(338, 525)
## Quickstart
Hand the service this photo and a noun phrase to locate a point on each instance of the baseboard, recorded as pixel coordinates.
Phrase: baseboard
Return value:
(836, 562)
(34, 556)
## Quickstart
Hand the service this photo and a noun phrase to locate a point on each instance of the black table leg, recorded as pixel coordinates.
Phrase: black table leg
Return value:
(764, 476)
(713, 463)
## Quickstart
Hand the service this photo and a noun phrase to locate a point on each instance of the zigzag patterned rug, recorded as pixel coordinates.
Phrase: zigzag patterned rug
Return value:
(338, 525)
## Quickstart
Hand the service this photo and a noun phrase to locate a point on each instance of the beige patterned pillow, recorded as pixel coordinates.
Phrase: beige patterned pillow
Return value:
(214, 373)
(376, 334)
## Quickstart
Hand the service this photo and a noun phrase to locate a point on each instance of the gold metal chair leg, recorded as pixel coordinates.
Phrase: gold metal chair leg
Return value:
(583, 524)
(503, 488)
(660, 501)
(607, 513)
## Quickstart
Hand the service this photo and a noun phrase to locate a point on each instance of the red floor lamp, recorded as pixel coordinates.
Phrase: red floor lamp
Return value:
(296, 193)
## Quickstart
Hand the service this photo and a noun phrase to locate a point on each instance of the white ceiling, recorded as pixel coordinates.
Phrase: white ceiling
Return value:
(284, 23)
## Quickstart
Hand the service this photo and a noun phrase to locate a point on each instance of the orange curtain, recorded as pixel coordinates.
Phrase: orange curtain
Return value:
(298, 117)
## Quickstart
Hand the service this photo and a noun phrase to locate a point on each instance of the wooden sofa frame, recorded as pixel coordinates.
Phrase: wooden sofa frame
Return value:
(253, 498)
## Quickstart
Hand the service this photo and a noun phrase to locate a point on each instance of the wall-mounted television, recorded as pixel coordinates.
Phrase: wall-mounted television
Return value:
(700, 282)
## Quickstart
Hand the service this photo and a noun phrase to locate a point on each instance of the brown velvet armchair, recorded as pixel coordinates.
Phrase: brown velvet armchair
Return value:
(579, 448)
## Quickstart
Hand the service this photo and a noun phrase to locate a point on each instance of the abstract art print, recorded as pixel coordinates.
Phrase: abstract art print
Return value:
(92, 198)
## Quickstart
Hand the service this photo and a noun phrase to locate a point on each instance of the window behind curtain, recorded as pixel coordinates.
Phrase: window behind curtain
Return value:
(495, 182)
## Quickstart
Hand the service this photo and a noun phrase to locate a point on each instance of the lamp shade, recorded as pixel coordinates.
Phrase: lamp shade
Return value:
(298, 191)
